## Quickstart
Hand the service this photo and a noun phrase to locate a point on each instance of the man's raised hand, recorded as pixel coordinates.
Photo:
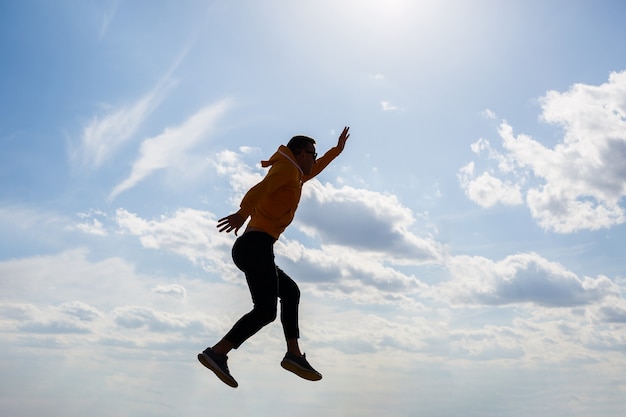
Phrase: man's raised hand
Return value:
(341, 143)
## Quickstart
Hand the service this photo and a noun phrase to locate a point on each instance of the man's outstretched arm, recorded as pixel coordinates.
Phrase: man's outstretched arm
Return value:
(331, 154)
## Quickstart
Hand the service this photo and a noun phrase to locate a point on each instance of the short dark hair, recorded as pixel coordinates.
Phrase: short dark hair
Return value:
(298, 143)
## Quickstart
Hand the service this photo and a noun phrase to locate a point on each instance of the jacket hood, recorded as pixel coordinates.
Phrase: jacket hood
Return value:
(283, 153)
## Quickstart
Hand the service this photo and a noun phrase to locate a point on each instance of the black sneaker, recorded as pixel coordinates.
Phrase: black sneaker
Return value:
(217, 363)
(300, 366)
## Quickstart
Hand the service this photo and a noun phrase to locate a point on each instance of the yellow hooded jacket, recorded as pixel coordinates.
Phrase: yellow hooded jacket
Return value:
(272, 203)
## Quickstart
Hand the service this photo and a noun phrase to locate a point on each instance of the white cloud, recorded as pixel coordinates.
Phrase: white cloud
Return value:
(580, 182)
(78, 309)
(488, 114)
(520, 279)
(487, 190)
(135, 317)
(388, 106)
(480, 145)
(614, 311)
(94, 228)
(172, 290)
(364, 220)
(580, 189)
(91, 225)
(189, 233)
(240, 175)
(343, 273)
(77, 297)
(170, 148)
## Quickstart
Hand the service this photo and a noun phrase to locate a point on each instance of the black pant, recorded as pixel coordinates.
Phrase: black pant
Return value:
(253, 253)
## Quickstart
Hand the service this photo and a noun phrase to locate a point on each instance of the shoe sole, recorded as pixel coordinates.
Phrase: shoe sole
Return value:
(300, 371)
(210, 364)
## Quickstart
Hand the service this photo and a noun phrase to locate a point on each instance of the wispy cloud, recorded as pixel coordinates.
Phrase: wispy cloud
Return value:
(108, 17)
(170, 147)
(105, 134)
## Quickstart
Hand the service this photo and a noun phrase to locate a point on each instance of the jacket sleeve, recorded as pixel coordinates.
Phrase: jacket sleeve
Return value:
(322, 163)
(277, 176)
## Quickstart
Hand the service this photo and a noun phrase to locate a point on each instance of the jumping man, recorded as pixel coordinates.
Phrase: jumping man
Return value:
(271, 206)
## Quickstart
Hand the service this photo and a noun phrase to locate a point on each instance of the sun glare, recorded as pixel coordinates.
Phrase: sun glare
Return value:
(380, 14)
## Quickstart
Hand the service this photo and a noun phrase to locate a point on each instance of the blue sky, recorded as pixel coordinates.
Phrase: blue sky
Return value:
(463, 256)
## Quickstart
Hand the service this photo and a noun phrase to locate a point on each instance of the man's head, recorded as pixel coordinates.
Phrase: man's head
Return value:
(303, 148)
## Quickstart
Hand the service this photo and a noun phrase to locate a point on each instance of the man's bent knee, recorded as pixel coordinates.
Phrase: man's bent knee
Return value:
(266, 314)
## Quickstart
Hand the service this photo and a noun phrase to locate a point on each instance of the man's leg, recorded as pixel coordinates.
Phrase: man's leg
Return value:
(223, 347)
(289, 295)
(294, 361)
(253, 254)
